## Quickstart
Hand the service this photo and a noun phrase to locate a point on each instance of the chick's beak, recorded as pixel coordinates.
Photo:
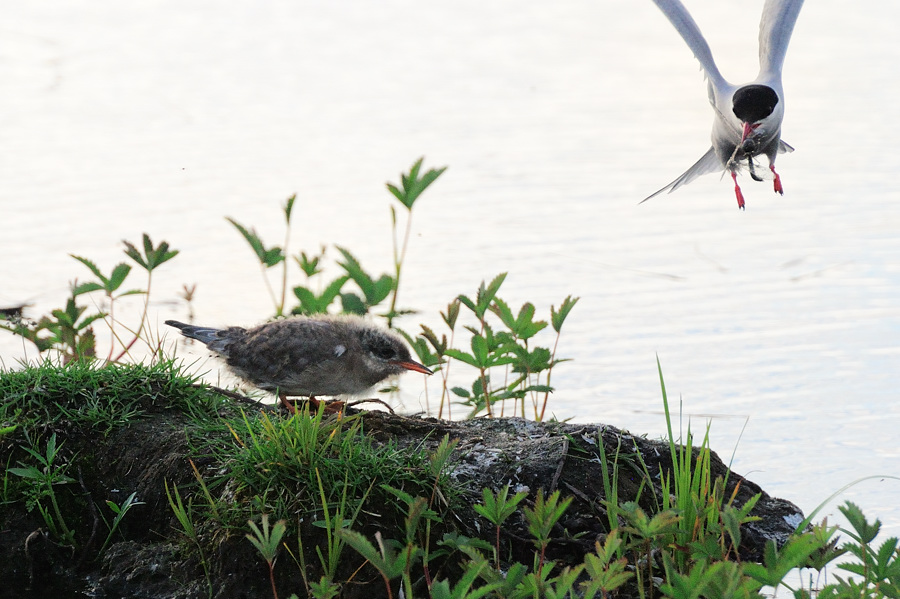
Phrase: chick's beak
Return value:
(415, 366)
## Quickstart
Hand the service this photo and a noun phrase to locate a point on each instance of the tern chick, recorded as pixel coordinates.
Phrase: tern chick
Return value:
(309, 356)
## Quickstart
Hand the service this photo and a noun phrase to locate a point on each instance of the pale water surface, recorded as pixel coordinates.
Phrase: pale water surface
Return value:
(555, 120)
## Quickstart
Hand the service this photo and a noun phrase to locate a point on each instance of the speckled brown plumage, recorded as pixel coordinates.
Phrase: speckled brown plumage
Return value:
(309, 356)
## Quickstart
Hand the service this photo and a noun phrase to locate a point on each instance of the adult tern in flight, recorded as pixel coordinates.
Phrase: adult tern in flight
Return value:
(748, 117)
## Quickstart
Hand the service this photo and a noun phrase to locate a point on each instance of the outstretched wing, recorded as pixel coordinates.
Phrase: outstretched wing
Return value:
(684, 23)
(775, 29)
(709, 163)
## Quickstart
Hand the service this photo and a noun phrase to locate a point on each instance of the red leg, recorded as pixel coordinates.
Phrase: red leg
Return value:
(778, 188)
(737, 191)
(284, 401)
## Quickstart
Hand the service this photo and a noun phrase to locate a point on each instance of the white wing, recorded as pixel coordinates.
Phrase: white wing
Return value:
(684, 23)
(709, 163)
(775, 28)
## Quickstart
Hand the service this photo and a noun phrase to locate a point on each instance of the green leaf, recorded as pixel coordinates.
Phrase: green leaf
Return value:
(288, 208)
(462, 356)
(557, 318)
(412, 185)
(154, 256)
(29, 472)
(309, 265)
(382, 288)
(480, 350)
(267, 257)
(118, 276)
(93, 267)
(86, 288)
(865, 531)
(451, 314)
(353, 304)
(461, 392)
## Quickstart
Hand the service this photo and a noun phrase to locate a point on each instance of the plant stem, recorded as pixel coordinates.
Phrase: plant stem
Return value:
(398, 264)
(272, 579)
(262, 267)
(112, 331)
(284, 271)
(549, 372)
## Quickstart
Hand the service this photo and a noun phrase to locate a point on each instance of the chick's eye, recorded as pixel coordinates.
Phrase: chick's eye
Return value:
(385, 352)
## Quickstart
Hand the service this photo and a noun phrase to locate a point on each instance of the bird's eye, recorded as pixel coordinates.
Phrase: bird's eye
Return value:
(385, 352)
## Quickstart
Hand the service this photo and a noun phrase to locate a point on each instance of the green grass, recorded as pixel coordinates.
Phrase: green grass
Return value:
(99, 397)
(270, 457)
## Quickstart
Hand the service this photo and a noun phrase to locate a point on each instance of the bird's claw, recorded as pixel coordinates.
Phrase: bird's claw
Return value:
(778, 188)
(737, 192)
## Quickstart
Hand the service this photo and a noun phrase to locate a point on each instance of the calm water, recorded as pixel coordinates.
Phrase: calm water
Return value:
(555, 120)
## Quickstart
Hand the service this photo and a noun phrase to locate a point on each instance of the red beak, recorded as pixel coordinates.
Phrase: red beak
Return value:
(748, 129)
(415, 366)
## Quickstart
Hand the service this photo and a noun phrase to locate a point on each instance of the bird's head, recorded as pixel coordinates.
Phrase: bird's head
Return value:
(754, 105)
(386, 354)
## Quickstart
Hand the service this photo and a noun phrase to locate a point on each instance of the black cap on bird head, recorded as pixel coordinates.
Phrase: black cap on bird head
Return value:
(753, 103)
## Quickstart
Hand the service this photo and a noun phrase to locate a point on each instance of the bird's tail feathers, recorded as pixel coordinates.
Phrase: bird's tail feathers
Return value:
(206, 335)
(708, 163)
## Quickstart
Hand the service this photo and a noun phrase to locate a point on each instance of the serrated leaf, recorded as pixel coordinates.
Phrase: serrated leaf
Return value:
(464, 300)
(382, 288)
(480, 349)
(133, 253)
(452, 314)
(308, 300)
(117, 277)
(332, 290)
(132, 292)
(461, 356)
(93, 267)
(503, 311)
(269, 257)
(272, 257)
(394, 190)
(353, 304)
(288, 208)
(250, 236)
(86, 288)
(557, 318)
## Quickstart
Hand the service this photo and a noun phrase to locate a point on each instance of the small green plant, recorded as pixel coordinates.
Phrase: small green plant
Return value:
(109, 286)
(496, 509)
(331, 523)
(273, 256)
(541, 519)
(150, 260)
(119, 512)
(69, 330)
(267, 540)
(411, 187)
(43, 478)
(605, 568)
(373, 290)
(525, 368)
(66, 330)
(877, 569)
(184, 515)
